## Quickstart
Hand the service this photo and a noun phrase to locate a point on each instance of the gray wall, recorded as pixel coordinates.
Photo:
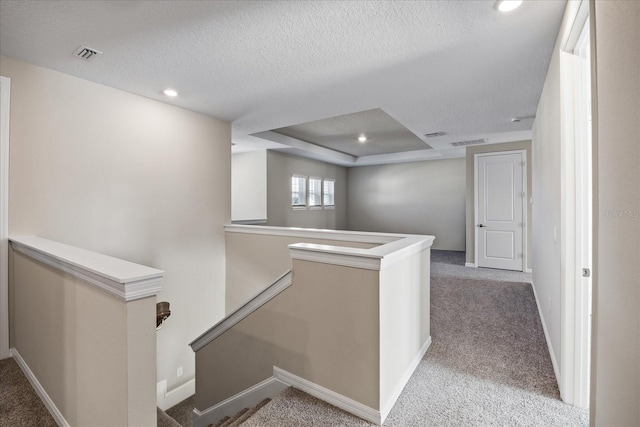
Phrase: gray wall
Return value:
(615, 379)
(470, 223)
(419, 198)
(280, 168)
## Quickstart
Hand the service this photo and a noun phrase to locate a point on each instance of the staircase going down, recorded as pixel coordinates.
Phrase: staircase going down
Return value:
(240, 417)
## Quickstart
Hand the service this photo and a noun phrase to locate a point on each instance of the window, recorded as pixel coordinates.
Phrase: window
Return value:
(329, 193)
(298, 191)
(315, 192)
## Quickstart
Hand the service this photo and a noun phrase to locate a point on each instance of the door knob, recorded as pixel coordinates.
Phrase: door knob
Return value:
(480, 225)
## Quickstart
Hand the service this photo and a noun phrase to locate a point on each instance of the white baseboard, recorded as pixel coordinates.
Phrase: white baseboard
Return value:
(336, 399)
(391, 400)
(470, 264)
(554, 362)
(248, 398)
(167, 399)
(48, 403)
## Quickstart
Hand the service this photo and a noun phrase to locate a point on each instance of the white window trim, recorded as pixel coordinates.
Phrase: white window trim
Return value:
(333, 206)
(320, 206)
(306, 194)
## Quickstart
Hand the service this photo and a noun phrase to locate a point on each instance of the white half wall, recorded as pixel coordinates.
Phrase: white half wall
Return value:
(249, 186)
(413, 198)
(126, 176)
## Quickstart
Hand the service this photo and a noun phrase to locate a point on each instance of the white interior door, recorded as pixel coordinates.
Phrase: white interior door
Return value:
(499, 210)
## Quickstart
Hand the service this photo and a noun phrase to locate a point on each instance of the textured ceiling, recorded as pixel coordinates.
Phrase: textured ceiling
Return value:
(384, 134)
(454, 66)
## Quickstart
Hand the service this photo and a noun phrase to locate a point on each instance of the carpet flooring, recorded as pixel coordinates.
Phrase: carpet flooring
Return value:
(183, 411)
(19, 404)
(488, 365)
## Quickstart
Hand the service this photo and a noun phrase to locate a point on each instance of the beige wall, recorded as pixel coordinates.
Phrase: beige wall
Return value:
(303, 329)
(280, 168)
(129, 177)
(84, 346)
(414, 198)
(249, 186)
(615, 399)
(268, 257)
(470, 195)
(324, 328)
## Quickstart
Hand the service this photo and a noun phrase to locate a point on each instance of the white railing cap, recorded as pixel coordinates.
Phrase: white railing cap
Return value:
(127, 280)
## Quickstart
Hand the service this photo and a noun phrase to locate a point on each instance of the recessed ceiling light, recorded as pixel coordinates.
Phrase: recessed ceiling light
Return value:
(507, 5)
(362, 139)
(170, 92)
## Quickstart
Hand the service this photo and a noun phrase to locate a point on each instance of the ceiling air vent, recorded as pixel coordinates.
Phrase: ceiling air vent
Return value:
(472, 142)
(433, 134)
(86, 53)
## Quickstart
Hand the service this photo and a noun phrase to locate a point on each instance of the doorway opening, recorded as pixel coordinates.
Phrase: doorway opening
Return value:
(500, 209)
(577, 214)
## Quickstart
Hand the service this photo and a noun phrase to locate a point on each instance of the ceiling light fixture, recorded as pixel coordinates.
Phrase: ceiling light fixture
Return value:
(362, 139)
(507, 5)
(170, 92)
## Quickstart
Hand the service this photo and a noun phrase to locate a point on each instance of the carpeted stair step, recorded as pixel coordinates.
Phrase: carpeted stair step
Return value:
(226, 421)
(165, 420)
(244, 417)
(240, 417)
(220, 422)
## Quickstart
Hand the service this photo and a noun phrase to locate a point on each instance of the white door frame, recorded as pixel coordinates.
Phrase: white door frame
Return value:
(524, 201)
(5, 95)
(575, 331)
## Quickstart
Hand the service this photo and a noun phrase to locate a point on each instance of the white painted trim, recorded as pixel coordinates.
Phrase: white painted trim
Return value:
(329, 155)
(576, 211)
(315, 233)
(329, 396)
(5, 106)
(386, 407)
(249, 221)
(145, 282)
(248, 398)
(331, 255)
(401, 157)
(167, 399)
(375, 258)
(282, 283)
(470, 264)
(552, 354)
(391, 247)
(524, 200)
(529, 270)
(42, 393)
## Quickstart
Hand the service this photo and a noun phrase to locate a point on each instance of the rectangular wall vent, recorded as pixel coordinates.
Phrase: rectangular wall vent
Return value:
(472, 142)
(86, 53)
(433, 134)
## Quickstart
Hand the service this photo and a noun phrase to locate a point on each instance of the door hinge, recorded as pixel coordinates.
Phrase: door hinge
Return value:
(586, 272)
